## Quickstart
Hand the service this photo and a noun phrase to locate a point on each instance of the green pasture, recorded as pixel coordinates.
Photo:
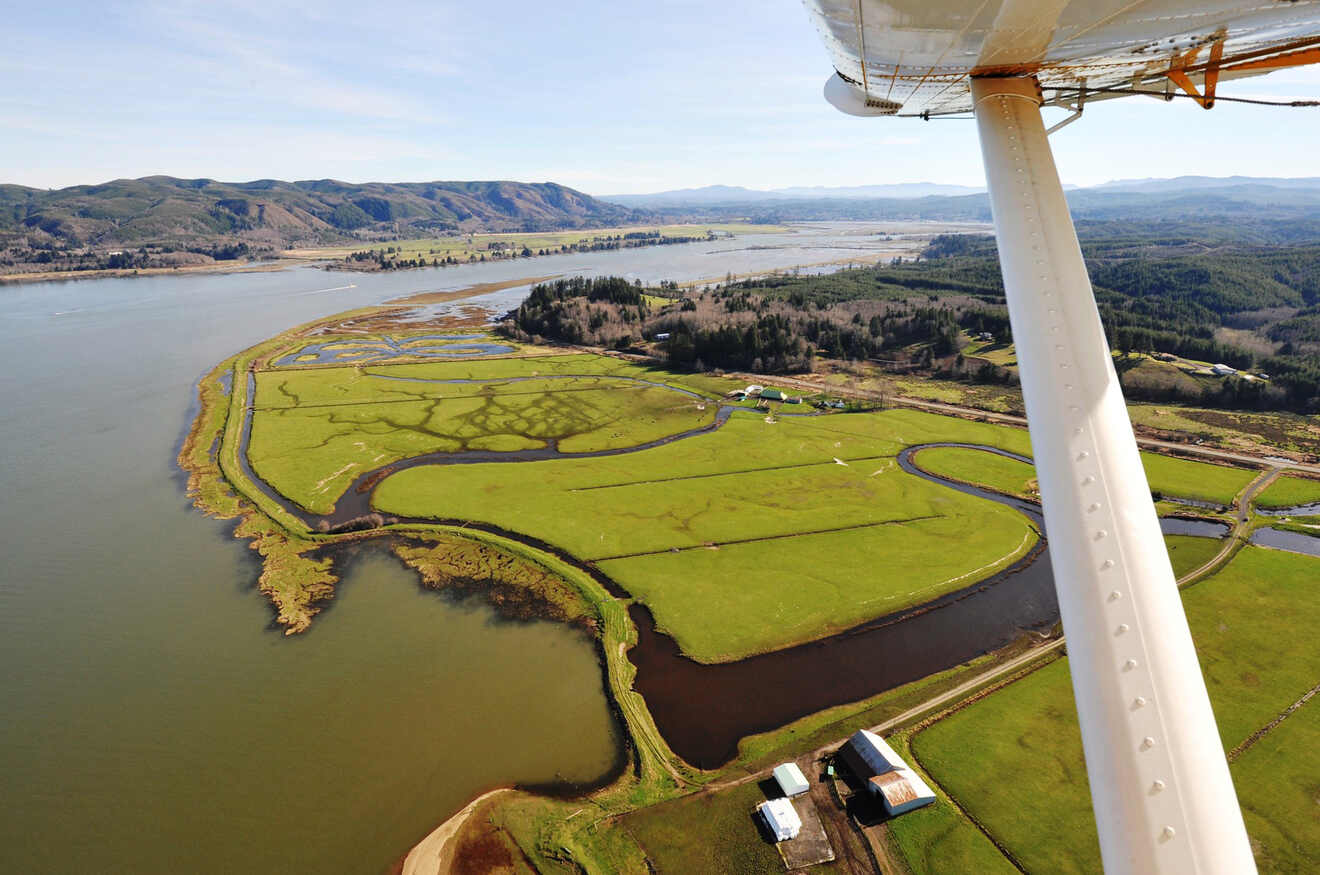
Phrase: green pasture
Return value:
(809, 586)
(574, 364)
(1184, 478)
(1278, 781)
(461, 246)
(999, 473)
(755, 503)
(937, 839)
(312, 435)
(1289, 491)
(1252, 623)
(1014, 761)
(693, 833)
(1188, 553)
(1181, 478)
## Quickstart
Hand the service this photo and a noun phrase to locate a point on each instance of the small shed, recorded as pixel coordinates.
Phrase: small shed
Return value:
(791, 780)
(663, 335)
(782, 818)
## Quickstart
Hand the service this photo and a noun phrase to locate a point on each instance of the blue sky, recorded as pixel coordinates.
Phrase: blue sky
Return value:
(606, 97)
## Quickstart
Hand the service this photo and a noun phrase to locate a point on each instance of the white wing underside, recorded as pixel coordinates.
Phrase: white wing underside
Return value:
(917, 57)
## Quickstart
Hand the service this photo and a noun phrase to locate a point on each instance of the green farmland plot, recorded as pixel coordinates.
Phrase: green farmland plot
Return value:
(1252, 623)
(999, 473)
(807, 586)
(1202, 481)
(794, 510)
(1278, 782)
(310, 444)
(1289, 491)
(1180, 478)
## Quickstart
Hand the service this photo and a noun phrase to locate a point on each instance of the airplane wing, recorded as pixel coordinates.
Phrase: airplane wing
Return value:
(913, 58)
(1161, 790)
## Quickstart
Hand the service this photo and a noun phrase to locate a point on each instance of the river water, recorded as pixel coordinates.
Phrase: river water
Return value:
(154, 720)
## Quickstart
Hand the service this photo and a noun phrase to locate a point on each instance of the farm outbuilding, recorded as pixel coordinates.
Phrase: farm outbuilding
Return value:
(782, 818)
(885, 773)
(790, 779)
(773, 395)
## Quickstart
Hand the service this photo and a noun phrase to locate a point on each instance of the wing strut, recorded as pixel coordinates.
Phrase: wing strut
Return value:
(1160, 784)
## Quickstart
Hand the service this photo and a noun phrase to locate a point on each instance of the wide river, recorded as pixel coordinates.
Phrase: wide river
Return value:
(153, 718)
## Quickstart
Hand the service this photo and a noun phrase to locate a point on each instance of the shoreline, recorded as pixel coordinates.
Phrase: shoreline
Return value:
(47, 276)
(433, 854)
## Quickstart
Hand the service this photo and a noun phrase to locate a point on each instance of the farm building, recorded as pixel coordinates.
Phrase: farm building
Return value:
(886, 774)
(782, 818)
(1222, 370)
(753, 390)
(773, 395)
(663, 335)
(790, 779)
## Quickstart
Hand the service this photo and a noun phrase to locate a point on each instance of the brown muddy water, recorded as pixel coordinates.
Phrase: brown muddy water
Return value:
(154, 719)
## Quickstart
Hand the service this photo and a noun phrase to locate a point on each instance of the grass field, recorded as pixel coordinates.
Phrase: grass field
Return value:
(772, 521)
(1188, 553)
(1252, 623)
(1199, 480)
(314, 431)
(999, 473)
(465, 246)
(1278, 783)
(1289, 491)
(937, 839)
(725, 827)
(1180, 478)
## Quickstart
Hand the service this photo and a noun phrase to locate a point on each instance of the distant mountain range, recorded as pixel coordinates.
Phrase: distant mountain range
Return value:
(717, 194)
(268, 212)
(203, 214)
(1184, 184)
(730, 194)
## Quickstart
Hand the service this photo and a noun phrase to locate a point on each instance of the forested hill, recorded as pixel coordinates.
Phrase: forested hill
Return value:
(1256, 308)
(271, 213)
